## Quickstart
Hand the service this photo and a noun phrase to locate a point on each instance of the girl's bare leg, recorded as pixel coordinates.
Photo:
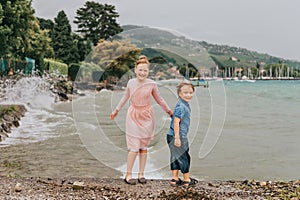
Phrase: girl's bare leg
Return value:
(130, 162)
(143, 159)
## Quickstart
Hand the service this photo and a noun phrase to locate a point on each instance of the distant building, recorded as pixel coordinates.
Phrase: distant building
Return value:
(233, 58)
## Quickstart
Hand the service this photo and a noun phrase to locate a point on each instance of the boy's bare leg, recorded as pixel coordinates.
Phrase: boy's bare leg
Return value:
(175, 176)
(186, 177)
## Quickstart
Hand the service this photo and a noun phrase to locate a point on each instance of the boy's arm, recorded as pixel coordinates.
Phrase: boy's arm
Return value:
(177, 141)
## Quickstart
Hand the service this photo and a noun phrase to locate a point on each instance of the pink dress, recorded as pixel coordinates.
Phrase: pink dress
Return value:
(140, 121)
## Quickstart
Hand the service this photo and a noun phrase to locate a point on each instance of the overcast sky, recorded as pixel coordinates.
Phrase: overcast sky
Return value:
(265, 26)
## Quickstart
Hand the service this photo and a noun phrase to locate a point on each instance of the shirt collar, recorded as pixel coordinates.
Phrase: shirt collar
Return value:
(183, 101)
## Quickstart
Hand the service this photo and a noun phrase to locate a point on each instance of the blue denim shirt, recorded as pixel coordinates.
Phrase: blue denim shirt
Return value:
(183, 111)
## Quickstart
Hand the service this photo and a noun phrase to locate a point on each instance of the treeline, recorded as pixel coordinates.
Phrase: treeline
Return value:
(25, 36)
(87, 53)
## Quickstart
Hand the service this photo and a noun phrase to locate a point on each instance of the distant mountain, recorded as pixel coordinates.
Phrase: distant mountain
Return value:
(224, 54)
(175, 48)
(199, 53)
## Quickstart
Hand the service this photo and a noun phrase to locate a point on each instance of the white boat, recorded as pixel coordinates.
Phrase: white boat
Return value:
(244, 79)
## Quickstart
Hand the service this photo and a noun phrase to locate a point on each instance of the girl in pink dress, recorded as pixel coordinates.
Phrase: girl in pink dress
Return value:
(140, 121)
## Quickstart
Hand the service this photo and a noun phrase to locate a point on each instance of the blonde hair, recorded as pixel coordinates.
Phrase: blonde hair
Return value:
(142, 60)
(180, 85)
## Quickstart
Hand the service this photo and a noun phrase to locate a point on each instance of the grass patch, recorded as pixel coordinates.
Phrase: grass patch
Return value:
(13, 165)
(4, 110)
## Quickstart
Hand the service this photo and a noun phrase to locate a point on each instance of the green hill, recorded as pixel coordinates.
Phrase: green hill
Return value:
(244, 56)
(180, 50)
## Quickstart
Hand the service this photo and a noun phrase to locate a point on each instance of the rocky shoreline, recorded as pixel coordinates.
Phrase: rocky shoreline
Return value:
(109, 188)
(60, 87)
(10, 116)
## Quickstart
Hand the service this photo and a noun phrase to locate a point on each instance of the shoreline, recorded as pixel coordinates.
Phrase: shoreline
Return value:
(10, 116)
(54, 157)
(112, 188)
(49, 170)
(35, 174)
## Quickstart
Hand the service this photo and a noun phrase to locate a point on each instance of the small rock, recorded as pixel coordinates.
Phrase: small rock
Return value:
(263, 183)
(18, 187)
(8, 117)
(269, 182)
(16, 123)
(5, 127)
(77, 185)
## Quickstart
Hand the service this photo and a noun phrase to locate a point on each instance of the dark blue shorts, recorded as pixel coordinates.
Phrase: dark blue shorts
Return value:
(180, 157)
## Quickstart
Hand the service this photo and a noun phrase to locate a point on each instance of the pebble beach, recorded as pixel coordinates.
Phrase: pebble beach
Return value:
(35, 172)
(108, 188)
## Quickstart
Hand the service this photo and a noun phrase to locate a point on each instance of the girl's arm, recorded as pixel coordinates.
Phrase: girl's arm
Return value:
(161, 101)
(177, 141)
(121, 103)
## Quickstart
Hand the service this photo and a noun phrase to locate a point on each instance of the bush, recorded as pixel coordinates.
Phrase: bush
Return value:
(73, 71)
(88, 72)
(53, 66)
(97, 75)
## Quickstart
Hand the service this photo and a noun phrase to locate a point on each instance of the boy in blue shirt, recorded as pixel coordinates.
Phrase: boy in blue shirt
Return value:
(177, 136)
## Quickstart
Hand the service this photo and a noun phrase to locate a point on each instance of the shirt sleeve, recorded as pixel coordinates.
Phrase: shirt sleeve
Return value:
(124, 98)
(178, 112)
(159, 99)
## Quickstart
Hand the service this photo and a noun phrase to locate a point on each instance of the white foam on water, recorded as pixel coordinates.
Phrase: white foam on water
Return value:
(40, 119)
(151, 171)
(33, 92)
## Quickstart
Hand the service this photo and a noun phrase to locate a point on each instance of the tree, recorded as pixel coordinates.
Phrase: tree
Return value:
(84, 46)
(115, 57)
(17, 15)
(38, 44)
(63, 41)
(4, 33)
(192, 70)
(158, 59)
(20, 32)
(97, 21)
(46, 24)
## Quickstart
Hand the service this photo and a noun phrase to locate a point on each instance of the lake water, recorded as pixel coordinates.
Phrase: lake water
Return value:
(239, 130)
